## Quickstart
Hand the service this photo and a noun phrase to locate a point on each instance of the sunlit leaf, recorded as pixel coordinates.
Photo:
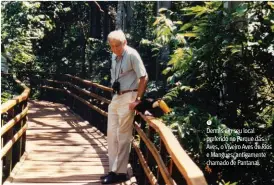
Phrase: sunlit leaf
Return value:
(271, 4)
(176, 57)
(167, 70)
(161, 10)
(234, 50)
(180, 37)
(187, 88)
(189, 34)
(241, 9)
(178, 22)
(201, 13)
(158, 19)
(185, 26)
(197, 9)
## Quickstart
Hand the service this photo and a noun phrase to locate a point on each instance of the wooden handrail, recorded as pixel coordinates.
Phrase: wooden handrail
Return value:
(89, 93)
(10, 143)
(12, 122)
(82, 90)
(191, 172)
(87, 82)
(78, 98)
(18, 99)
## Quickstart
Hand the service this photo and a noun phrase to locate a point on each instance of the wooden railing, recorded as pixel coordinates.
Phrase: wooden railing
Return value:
(13, 129)
(157, 158)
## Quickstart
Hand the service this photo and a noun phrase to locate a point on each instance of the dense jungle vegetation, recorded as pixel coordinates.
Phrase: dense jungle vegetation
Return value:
(209, 62)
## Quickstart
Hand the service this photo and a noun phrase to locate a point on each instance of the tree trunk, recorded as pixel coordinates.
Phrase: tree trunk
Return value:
(90, 62)
(95, 22)
(119, 16)
(105, 22)
(83, 57)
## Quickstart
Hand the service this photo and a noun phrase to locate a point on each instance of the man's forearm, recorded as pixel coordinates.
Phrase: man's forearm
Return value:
(142, 86)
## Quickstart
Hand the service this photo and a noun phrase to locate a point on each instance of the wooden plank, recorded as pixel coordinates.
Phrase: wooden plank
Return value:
(68, 156)
(52, 117)
(93, 133)
(61, 170)
(56, 183)
(61, 150)
(83, 129)
(72, 177)
(44, 103)
(77, 149)
(57, 125)
(60, 143)
(66, 136)
(48, 121)
(96, 162)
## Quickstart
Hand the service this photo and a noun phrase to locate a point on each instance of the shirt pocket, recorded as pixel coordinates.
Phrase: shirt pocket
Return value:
(126, 69)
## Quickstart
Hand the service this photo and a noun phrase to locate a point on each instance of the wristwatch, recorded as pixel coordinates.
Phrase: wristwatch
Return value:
(138, 98)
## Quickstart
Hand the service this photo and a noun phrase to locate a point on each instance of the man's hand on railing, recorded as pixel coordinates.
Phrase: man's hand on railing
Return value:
(132, 106)
(156, 107)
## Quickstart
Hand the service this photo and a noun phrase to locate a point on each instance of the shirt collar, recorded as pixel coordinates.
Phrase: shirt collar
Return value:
(123, 54)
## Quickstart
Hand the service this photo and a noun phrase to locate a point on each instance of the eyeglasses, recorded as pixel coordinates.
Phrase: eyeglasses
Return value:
(115, 45)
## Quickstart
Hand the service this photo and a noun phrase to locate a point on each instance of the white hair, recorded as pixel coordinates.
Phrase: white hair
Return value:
(117, 35)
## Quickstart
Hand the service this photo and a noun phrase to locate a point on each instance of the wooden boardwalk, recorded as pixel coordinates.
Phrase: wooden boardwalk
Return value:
(61, 148)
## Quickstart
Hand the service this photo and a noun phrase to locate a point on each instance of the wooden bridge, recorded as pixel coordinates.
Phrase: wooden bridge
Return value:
(63, 140)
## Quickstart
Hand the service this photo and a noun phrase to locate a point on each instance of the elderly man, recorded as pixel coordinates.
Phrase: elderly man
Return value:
(129, 79)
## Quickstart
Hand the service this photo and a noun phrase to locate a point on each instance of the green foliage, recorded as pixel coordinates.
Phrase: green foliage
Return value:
(221, 64)
(222, 182)
(5, 96)
(53, 37)
(9, 88)
(140, 25)
(188, 124)
(207, 62)
(140, 32)
(99, 55)
(22, 24)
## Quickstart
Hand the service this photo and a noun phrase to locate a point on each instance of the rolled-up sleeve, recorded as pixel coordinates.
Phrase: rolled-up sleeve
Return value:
(138, 65)
(112, 69)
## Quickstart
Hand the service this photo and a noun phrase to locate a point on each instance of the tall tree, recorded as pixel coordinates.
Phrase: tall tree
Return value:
(119, 16)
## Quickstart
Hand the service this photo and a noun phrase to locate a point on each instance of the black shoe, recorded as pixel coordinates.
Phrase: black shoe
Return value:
(104, 176)
(114, 178)
(123, 177)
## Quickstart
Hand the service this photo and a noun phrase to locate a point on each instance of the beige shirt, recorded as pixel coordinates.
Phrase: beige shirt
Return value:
(128, 69)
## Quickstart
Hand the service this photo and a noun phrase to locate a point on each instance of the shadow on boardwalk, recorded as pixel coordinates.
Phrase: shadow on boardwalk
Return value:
(61, 148)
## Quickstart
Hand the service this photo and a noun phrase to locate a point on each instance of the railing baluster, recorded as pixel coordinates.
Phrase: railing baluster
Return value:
(170, 166)
(13, 114)
(9, 135)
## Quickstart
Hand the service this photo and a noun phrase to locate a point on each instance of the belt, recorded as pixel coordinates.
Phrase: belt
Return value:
(126, 91)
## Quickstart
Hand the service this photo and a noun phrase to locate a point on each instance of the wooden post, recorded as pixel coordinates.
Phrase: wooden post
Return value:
(1, 164)
(9, 135)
